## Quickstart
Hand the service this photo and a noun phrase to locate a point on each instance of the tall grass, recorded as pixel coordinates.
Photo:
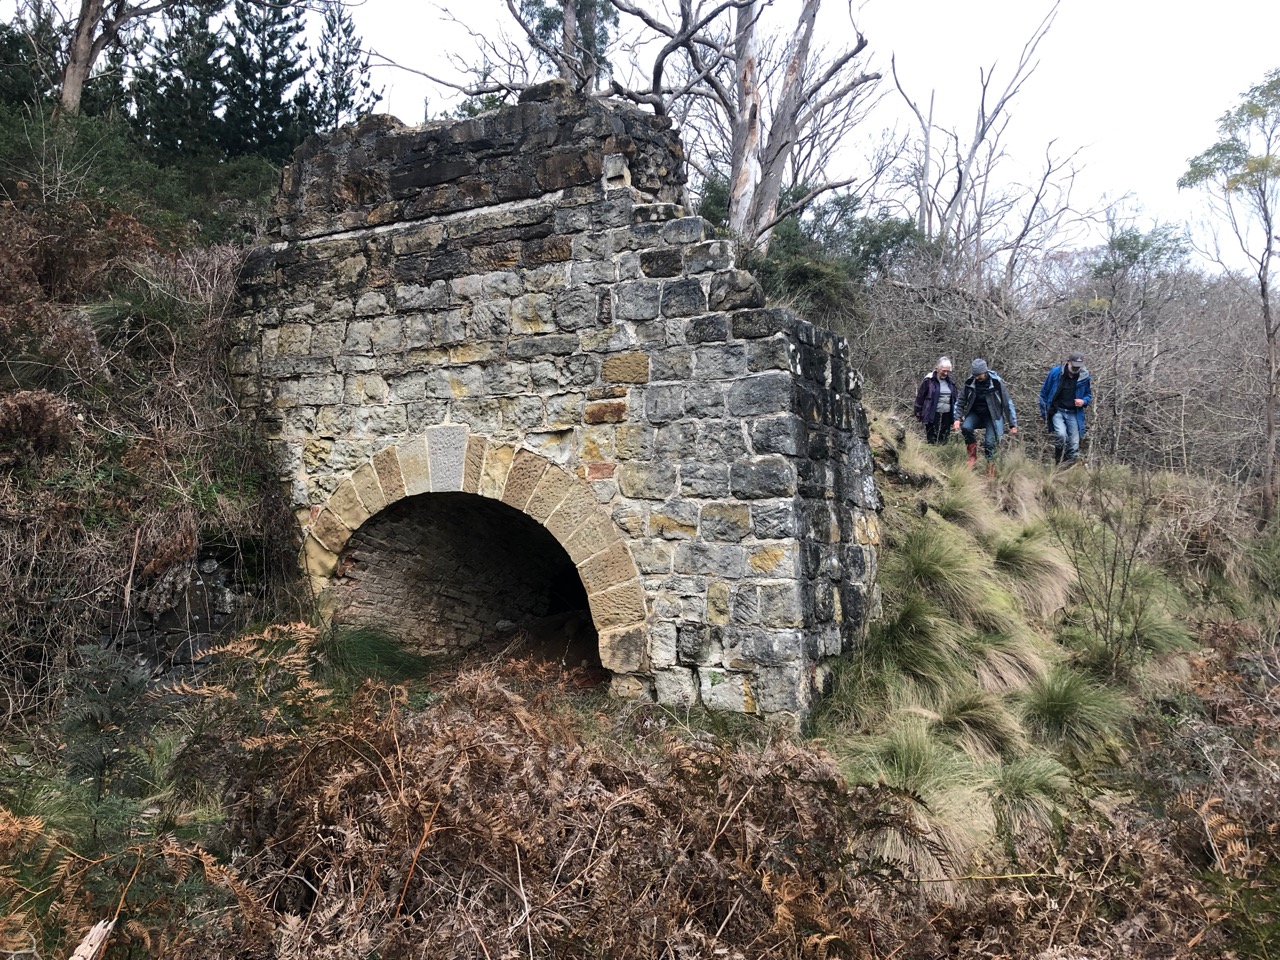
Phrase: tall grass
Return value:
(1075, 715)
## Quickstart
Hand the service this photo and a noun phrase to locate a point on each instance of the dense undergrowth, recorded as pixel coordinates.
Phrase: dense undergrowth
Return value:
(1060, 741)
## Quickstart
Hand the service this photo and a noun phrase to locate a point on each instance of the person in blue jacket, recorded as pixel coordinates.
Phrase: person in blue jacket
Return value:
(1066, 392)
(985, 404)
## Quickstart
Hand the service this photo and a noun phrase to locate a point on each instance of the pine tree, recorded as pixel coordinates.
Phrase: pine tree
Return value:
(30, 49)
(341, 90)
(178, 94)
(265, 61)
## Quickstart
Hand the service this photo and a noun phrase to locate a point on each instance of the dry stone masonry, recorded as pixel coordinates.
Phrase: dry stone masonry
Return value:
(509, 379)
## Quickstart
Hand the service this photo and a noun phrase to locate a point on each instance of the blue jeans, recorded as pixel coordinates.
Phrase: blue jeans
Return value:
(991, 436)
(1066, 435)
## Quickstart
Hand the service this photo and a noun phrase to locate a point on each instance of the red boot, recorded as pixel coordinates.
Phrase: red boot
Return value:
(972, 449)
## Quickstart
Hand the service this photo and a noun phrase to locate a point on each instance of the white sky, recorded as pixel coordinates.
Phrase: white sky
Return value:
(1136, 86)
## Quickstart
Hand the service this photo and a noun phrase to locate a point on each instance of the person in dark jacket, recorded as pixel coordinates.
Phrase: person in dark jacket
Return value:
(1066, 392)
(935, 404)
(985, 404)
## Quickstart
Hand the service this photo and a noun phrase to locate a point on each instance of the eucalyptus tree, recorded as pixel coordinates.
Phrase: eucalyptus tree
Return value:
(1241, 175)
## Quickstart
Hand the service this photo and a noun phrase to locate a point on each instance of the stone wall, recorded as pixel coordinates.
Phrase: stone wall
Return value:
(514, 308)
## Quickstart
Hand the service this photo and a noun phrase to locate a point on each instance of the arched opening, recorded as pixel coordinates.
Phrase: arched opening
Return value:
(450, 573)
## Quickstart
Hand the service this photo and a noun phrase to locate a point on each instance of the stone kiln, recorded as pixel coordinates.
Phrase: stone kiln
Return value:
(508, 378)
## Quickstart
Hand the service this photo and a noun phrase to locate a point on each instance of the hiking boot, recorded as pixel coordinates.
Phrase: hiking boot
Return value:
(991, 469)
(972, 449)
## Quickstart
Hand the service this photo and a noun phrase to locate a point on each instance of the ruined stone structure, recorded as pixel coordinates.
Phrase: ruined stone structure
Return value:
(508, 378)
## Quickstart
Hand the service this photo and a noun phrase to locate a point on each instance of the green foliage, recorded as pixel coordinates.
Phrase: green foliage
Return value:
(1247, 158)
(29, 70)
(596, 19)
(347, 656)
(265, 61)
(1076, 716)
(183, 78)
(337, 88)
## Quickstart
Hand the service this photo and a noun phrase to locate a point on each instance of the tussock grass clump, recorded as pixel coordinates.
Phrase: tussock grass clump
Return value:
(1034, 565)
(964, 502)
(953, 809)
(1026, 793)
(973, 720)
(916, 641)
(1075, 715)
(1007, 661)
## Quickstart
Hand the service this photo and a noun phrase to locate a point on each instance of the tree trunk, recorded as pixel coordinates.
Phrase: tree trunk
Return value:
(1273, 397)
(744, 175)
(80, 57)
(571, 49)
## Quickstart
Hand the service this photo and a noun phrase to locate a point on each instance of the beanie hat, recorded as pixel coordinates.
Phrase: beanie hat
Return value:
(978, 367)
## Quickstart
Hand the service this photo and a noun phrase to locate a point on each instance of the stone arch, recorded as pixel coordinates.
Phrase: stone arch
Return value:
(450, 459)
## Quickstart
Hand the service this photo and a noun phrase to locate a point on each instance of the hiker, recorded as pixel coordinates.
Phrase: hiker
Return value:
(1066, 392)
(935, 404)
(984, 403)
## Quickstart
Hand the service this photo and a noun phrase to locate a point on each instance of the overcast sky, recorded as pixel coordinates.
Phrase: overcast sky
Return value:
(1136, 86)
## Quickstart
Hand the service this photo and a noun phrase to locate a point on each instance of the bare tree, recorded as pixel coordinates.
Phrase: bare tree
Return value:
(953, 178)
(763, 106)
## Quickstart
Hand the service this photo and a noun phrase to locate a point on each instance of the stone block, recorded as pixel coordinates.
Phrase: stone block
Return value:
(578, 505)
(709, 329)
(720, 361)
(664, 402)
(552, 487)
(750, 324)
(626, 368)
(387, 464)
(722, 689)
(779, 559)
(762, 478)
(674, 520)
(593, 535)
(347, 506)
(725, 522)
(647, 481)
(637, 300)
(331, 532)
(493, 475)
(711, 559)
(662, 645)
(628, 687)
(734, 290)
(319, 562)
(526, 470)
(673, 363)
(662, 262)
(719, 601)
(447, 451)
(676, 687)
(761, 394)
(652, 556)
(624, 650)
(415, 467)
(619, 607)
(782, 433)
(683, 298)
(609, 568)
(634, 441)
(684, 230)
(704, 479)
(605, 411)
(474, 463)
(365, 480)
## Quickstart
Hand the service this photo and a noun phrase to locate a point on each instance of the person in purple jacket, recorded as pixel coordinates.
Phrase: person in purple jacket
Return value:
(936, 402)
